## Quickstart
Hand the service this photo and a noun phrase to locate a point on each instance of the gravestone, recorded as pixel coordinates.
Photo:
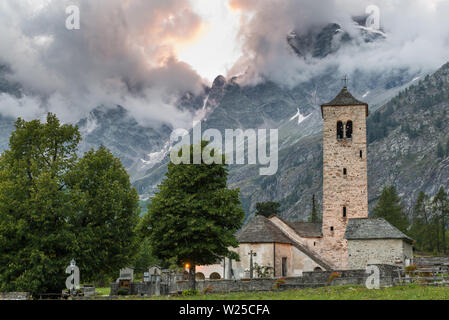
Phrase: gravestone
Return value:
(126, 274)
(154, 271)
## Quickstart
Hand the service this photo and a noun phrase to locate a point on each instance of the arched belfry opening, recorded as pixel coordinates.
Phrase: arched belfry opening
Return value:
(349, 129)
(340, 132)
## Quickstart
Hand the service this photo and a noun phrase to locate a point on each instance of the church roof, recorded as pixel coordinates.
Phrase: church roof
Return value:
(345, 98)
(261, 230)
(373, 228)
(306, 229)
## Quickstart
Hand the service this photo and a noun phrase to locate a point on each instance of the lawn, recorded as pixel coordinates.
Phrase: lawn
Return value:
(411, 292)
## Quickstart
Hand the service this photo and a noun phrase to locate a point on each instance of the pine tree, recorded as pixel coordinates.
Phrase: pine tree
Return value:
(267, 209)
(420, 228)
(441, 211)
(390, 208)
(314, 217)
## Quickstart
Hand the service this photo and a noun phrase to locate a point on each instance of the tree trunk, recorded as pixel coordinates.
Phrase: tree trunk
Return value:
(438, 236)
(443, 230)
(192, 279)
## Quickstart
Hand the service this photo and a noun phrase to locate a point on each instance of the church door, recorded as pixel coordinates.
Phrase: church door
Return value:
(284, 267)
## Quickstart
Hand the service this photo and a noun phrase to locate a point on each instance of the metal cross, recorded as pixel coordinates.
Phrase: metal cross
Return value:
(251, 255)
(345, 80)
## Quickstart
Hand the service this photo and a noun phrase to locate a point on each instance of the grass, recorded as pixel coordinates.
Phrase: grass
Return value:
(410, 292)
(103, 291)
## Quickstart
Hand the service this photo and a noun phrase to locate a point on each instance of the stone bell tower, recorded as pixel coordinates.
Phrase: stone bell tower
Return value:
(345, 181)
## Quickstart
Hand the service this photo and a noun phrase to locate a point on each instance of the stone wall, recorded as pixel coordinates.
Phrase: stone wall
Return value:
(137, 288)
(341, 190)
(381, 251)
(431, 261)
(307, 280)
(14, 296)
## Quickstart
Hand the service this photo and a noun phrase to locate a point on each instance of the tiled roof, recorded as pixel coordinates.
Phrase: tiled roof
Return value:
(345, 98)
(306, 229)
(370, 228)
(261, 230)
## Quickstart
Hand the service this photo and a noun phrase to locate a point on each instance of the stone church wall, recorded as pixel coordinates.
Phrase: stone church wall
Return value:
(388, 251)
(308, 280)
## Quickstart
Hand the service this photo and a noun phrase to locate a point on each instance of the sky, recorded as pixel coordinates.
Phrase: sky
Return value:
(144, 55)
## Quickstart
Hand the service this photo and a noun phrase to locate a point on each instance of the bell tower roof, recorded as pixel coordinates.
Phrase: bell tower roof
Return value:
(345, 98)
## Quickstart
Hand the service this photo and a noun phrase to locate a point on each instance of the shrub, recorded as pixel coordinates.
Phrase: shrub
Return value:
(122, 292)
(333, 276)
(190, 292)
(410, 268)
(279, 282)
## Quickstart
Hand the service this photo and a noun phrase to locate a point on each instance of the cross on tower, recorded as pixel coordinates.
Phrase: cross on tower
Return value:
(345, 80)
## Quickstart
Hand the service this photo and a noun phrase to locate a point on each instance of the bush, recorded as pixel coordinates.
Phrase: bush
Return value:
(190, 292)
(122, 292)
(279, 282)
(333, 276)
(410, 268)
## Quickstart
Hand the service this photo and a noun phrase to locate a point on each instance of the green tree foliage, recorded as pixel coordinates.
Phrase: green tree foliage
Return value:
(267, 209)
(35, 238)
(145, 257)
(44, 195)
(314, 216)
(194, 217)
(440, 206)
(430, 222)
(105, 214)
(421, 228)
(390, 208)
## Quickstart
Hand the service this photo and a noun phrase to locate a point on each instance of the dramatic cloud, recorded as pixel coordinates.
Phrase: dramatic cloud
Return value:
(129, 52)
(123, 53)
(417, 37)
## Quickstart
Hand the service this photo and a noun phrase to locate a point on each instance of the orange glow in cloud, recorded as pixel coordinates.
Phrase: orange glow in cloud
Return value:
(214, 48)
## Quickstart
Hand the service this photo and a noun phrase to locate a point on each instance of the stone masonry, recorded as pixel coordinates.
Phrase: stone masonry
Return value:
(345, 178)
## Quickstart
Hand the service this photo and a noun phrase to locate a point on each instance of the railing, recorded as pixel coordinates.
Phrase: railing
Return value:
(434, 276)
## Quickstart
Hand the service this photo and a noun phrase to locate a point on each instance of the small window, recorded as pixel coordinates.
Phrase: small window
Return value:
(361, 154)
(332, 228)
(349, 129)
(340, 132)
(314, 243)
(345, 172)
(344, 212)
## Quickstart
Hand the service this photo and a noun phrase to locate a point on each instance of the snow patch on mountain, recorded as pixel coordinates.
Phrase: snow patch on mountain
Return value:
(300, 117)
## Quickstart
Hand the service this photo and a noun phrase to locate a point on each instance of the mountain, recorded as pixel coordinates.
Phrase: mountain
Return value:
(404, 136)
(296, 113)
(399, 152)
(320, 42)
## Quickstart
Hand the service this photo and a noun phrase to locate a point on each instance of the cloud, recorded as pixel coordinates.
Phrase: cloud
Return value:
(126, 50)
(417, 37)
(123, 52)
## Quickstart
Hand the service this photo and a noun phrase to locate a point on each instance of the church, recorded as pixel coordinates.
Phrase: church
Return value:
(347, 238)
